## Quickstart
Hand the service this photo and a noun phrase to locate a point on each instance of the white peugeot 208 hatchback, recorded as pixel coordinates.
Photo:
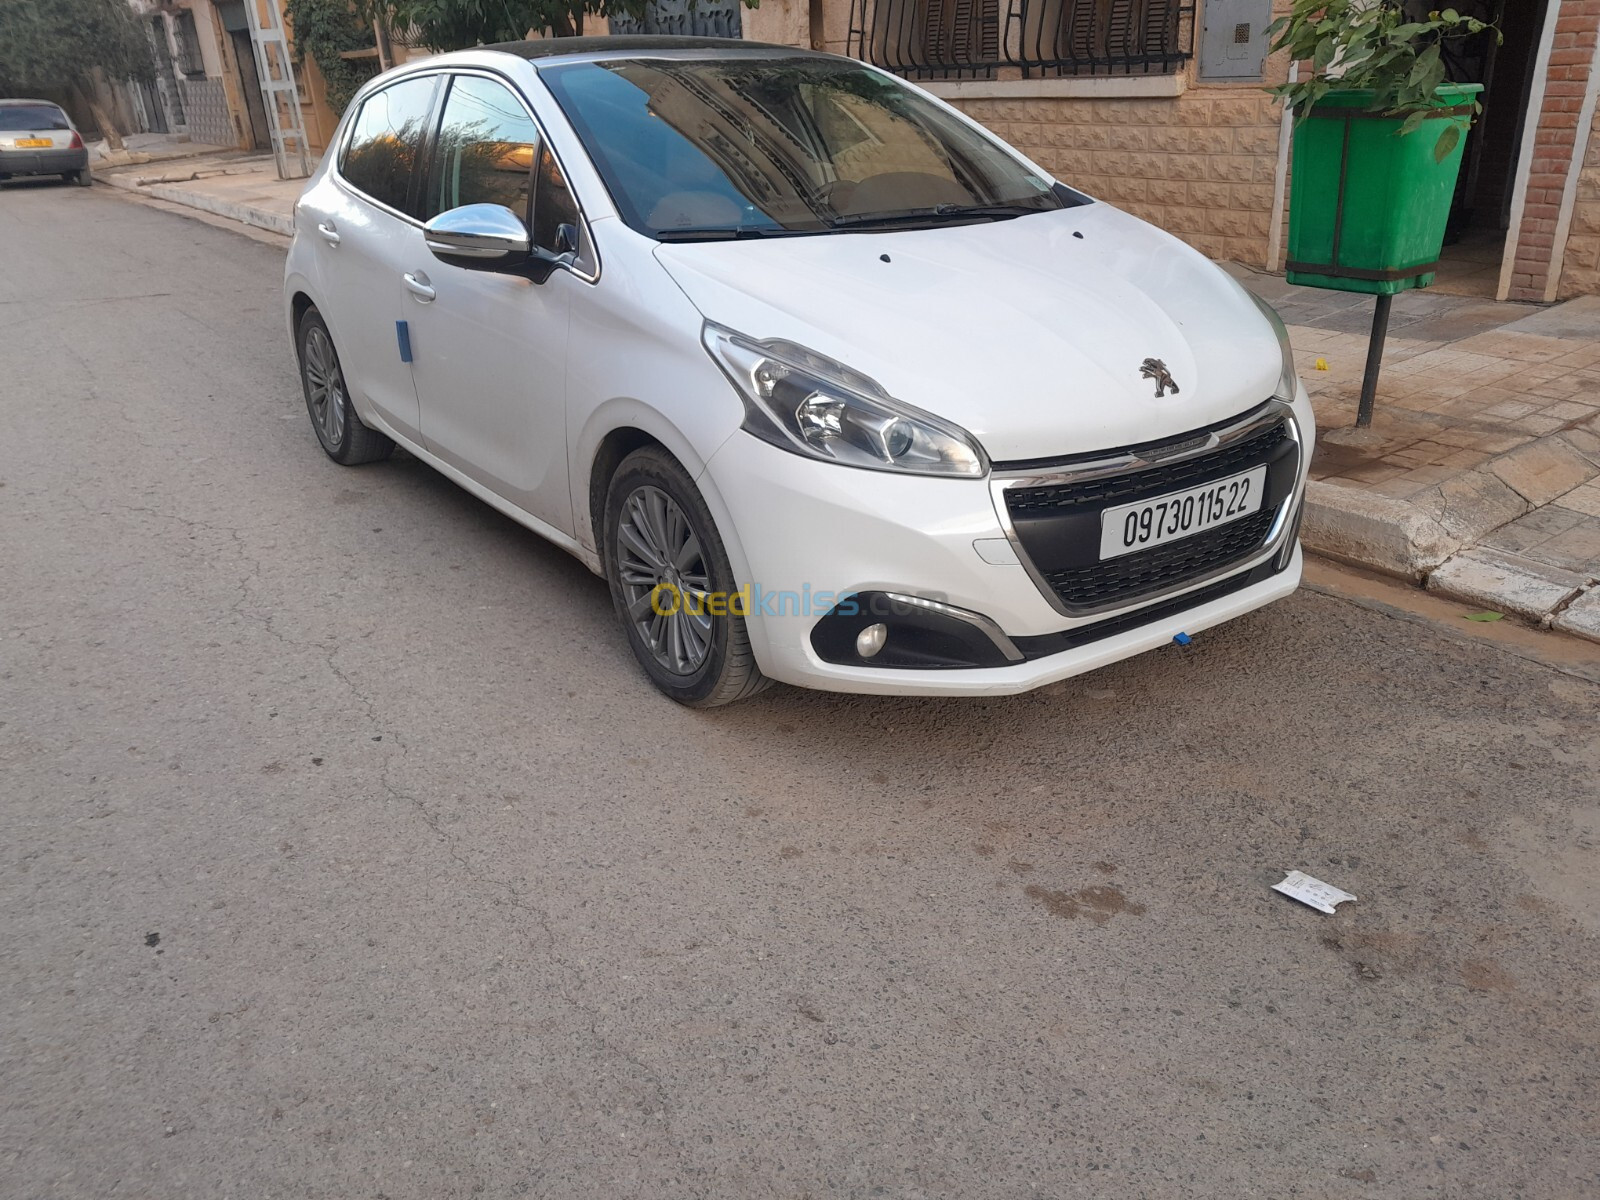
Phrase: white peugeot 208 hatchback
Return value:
(832, 386)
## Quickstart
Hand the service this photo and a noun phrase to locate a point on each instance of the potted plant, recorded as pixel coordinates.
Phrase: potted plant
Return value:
(1378, 139)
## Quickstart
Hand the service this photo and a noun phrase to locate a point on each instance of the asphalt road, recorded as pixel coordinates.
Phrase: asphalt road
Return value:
(344, 852)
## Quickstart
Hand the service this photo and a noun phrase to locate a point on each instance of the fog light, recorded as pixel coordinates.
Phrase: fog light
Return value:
(871, 639)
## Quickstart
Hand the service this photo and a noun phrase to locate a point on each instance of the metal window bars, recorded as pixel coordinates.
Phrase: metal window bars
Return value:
(976, 39)
(694, 18)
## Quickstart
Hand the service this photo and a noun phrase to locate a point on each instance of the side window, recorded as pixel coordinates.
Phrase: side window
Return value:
(386, 139)
(553, 205)
(486, 149)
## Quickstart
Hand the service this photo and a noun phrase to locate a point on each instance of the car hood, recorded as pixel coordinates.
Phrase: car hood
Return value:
(1031, 333)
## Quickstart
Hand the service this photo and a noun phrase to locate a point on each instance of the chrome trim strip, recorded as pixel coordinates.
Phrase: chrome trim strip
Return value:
(977, 620)
(1192, 446)
(1269, 413)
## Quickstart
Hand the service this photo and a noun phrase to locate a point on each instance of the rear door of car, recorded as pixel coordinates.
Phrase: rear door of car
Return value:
(361, 221)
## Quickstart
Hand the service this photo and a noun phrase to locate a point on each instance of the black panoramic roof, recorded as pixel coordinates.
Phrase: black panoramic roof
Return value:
(625, 44)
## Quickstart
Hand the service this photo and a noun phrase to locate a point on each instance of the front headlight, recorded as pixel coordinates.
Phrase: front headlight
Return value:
(1289, 381)
(808, 404)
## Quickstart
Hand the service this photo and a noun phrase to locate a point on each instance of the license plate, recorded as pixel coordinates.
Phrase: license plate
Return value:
(1131, 527)
(33, 143)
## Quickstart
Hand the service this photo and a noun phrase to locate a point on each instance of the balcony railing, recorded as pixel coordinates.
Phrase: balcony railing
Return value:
(975, 39)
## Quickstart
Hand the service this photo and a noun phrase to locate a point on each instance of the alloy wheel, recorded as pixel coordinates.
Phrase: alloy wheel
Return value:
(666, 582)
(324, 385)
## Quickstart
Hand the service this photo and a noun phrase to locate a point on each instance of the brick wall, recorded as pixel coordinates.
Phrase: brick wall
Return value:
(1556, 141)
(1200, 165)
(206, 104)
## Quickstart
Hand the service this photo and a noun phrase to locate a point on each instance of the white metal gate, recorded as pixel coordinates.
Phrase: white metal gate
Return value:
(278, 90)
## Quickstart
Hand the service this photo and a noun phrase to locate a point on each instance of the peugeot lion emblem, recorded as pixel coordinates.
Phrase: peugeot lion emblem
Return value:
(1154, 368)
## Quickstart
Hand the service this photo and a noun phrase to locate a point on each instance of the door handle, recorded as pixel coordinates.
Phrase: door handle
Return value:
(328, 232)
(418, 286)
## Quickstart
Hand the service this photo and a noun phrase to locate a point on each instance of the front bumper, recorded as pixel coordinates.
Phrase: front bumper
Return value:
(804, 534)
(42, 162)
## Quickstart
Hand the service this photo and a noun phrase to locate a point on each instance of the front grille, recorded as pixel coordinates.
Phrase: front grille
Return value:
(1103, 584)
(1148, 481)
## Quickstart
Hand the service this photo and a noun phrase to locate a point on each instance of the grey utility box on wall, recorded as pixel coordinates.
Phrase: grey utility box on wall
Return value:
(1234, 42)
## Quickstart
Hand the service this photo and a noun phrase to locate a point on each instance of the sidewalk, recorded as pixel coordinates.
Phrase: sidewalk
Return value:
(1480, 475)
(228, 183)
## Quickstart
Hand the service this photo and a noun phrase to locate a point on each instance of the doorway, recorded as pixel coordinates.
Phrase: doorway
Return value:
(1480, 215)
(237, 28)
(244, 58)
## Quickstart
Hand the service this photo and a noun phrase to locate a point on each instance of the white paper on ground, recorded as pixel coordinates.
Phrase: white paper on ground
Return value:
(1320, 896)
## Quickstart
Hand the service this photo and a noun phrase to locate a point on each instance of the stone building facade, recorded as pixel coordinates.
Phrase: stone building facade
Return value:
(1143, 103)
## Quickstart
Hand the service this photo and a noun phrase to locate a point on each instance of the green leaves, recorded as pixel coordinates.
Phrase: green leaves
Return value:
(327, 28)
(1368, 44)
(458, 24)
(47, 44)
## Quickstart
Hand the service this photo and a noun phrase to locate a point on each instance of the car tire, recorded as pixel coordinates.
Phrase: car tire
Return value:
(345, 439)
(84, 177)
(658, 531)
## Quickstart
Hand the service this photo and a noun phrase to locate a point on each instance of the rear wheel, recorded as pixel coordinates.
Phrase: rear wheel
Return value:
(340, 431)
(672, 585)
(84, 178)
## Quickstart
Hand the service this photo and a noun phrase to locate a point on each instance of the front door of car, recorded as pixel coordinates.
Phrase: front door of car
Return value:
(363, 230)
(490, 348)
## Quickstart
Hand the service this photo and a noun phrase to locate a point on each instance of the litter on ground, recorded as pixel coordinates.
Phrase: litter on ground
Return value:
(1321, 896)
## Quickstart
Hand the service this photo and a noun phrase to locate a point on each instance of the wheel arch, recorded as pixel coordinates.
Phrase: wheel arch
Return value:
(612, 432)
(300, 302)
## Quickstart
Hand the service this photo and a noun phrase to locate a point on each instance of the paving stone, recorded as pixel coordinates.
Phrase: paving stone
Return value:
(1471, 505)
(1582, 616)
(1505, 583)
(1577, 319)
(1585, 499)
(1544, 469)
(1585, 441)
(1528, 534)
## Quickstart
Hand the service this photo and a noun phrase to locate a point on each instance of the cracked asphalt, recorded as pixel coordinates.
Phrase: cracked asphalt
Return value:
(344, 852)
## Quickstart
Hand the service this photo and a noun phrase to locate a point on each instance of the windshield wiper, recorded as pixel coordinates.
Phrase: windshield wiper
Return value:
(941, 213)
(729, 233)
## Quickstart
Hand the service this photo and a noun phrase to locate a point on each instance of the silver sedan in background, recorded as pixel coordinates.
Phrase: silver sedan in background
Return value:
(38, 138)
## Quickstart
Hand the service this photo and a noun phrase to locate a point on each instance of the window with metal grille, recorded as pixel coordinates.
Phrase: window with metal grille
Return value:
(974, 39)
(187, 38)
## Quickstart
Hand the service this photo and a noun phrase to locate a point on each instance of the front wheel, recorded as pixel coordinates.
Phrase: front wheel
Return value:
(340, 431)
(672, 585)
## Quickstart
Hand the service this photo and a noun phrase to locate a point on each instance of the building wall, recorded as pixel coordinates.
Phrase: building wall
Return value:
(1580, 275)
(1558, 145)
(1201, 165)
(205, 103)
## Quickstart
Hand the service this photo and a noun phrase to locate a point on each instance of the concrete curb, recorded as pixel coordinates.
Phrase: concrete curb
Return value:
(1430, 538)
(234, 210)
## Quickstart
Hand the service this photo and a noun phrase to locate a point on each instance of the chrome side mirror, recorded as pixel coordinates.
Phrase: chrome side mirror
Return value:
(478, 235)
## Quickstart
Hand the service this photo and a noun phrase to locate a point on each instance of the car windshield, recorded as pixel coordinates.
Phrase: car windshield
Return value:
(754, 147)
(17, 117)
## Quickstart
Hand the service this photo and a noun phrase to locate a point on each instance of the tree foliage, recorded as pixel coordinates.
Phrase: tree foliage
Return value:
(1370, 45)
(326, 29)
(50, 44)
(457, 24)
